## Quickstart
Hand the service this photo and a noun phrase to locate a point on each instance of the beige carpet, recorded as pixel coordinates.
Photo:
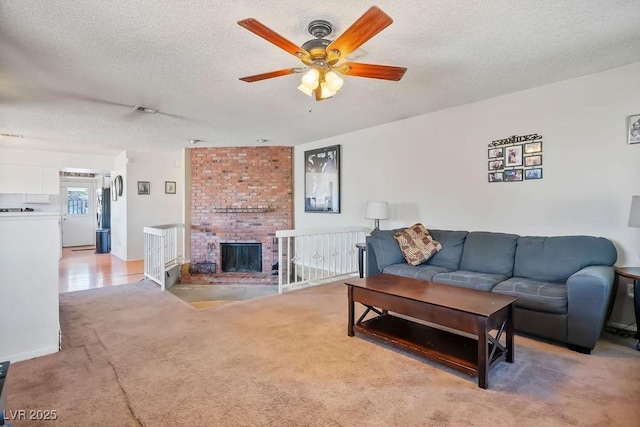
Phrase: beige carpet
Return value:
(134, 355)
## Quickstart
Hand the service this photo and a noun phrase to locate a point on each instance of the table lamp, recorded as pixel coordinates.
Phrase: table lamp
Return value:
(377, 211)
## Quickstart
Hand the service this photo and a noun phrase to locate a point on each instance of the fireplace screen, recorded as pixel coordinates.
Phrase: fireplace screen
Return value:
(241, 257)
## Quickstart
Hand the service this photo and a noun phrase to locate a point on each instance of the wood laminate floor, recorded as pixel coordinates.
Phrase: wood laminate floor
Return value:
(82, 268)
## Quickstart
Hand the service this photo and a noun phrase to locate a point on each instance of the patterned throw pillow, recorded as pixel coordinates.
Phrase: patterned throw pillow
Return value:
(416, 244)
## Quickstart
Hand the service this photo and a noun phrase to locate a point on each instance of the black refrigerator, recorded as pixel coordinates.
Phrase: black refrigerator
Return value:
(103, 217)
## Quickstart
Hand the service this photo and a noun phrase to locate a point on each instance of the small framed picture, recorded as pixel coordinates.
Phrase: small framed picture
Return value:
(496, 177)
(170, 187)
(513, 175)
(634, 129)
(533, 147)
(496, 164)
(533, 173)
(513, 156)
(496, 153)
(144, 187)
(533, 160)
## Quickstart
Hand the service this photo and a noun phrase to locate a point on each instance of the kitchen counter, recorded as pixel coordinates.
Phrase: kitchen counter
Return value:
(29, 254)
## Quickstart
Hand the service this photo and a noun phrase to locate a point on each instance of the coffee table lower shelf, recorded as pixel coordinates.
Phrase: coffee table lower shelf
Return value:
(456, 351)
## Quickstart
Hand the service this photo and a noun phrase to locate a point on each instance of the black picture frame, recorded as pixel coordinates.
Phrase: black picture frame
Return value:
(634, 129)
(535, 160)
(144, 188)
(170, 187)
(513, 175)
(496, 164)
(496, 153)
(535, 173)
(496, 177)
(322, 180)
(533, 147)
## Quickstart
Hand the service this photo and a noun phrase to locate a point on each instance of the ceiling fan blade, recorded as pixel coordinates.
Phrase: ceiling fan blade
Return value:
(373, 71)
(270, 75)
(271, 36)
(368, 25)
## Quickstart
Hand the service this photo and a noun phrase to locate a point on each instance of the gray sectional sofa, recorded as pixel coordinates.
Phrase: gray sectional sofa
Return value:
(563, 283)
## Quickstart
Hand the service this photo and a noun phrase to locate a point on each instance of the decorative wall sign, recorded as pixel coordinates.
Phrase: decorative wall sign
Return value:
(515, 158)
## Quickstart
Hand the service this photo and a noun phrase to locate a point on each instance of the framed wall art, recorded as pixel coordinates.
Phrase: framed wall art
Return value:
(496, 177)
(533, 147)
(513, 175)
(496, 153)
(634, 129)
(516, 158)
(513, 156)
(535, 173)
(144, 187)
(496, 164)
(533, 160)
(322, 180)
(170, 187)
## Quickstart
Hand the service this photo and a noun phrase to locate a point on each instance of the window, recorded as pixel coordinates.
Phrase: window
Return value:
(77, 201)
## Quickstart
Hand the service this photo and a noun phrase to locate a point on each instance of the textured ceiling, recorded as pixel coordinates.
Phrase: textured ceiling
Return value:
(70, 70)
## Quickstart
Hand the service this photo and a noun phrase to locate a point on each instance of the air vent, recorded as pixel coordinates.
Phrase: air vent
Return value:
(145, 109)
(11, 135)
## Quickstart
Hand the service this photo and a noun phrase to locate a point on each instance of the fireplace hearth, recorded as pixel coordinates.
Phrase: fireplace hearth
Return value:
(241, 257)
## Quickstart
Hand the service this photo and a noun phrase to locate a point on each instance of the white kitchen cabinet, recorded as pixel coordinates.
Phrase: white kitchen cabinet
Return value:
(50, 181)
(23, 179)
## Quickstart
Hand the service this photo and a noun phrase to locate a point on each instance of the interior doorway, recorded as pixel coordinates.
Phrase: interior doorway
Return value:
(78, 212)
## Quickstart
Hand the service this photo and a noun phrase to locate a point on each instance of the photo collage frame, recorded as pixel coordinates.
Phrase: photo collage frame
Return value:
(515, 159)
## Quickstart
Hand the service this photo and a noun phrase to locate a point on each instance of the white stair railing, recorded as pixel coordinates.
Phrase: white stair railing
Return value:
(308, 256)
(161, 251)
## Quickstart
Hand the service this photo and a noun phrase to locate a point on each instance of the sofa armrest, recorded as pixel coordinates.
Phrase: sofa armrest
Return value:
(372, 263)
(588, 293)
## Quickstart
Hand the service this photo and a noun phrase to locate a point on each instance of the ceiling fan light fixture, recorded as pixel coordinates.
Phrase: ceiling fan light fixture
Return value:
(326, 91)
(334, 82)
(311, 79)
(302, 88)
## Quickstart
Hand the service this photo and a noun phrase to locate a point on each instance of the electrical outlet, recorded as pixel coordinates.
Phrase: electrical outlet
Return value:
(630, 289)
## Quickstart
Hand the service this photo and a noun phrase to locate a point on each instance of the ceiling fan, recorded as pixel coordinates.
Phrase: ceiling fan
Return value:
(322, 57)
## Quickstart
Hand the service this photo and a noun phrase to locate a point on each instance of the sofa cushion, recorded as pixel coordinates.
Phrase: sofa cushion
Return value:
(386, 247)
(416, 244)
(535, 295)
(554, 259)
(469, 279)
(452, 242)
(422, 271)
(491, 253)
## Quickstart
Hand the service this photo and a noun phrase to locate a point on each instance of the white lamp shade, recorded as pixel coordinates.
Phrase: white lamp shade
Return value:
(377, 210)
(634, 214)
(302, 88)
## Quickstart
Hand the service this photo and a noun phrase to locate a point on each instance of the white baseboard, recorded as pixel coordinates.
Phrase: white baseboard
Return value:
(30, 354)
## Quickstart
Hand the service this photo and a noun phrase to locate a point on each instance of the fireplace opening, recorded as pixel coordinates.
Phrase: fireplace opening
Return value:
(241, 257)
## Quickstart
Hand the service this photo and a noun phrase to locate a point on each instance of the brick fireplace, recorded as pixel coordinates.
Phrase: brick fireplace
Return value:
(240, 195)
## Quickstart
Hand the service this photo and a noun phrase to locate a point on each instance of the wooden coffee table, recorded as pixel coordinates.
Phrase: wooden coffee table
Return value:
(459, 310)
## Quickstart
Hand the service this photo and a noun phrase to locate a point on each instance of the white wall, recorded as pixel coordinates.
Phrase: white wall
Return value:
(61, 160)
(433, 168)
(158, 207)
(119, 209)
